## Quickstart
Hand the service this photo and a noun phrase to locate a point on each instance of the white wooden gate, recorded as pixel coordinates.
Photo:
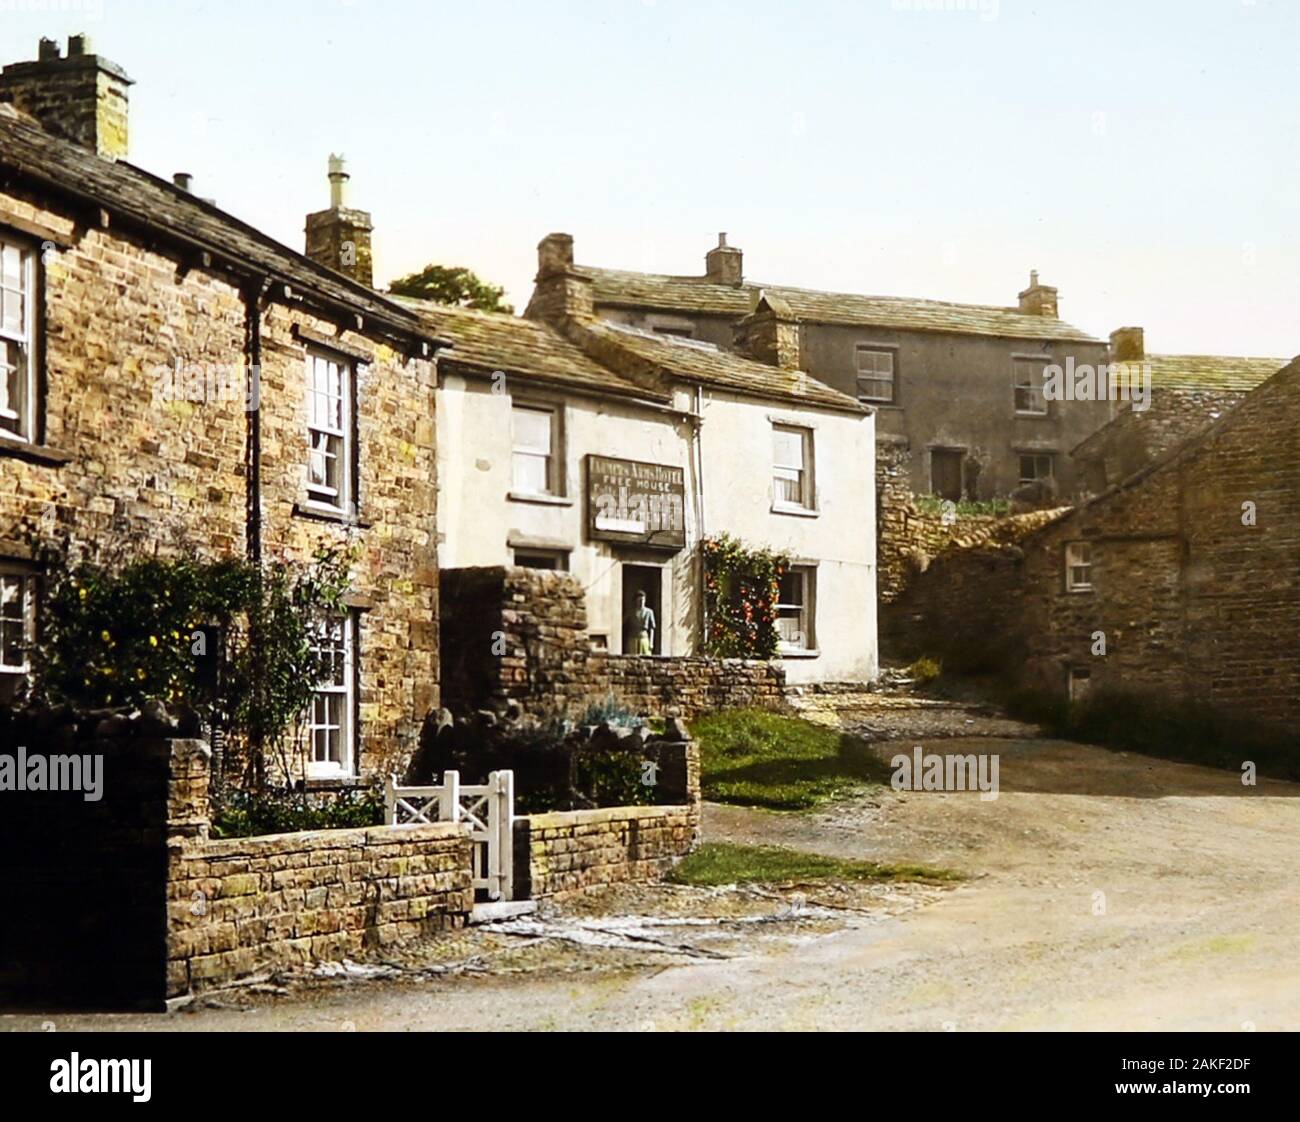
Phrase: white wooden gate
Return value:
(488, 808)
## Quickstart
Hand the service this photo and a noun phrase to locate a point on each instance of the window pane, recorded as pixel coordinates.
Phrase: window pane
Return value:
(530, 473)
(792, 588)
(11, 266)
(12, 317)
(788, 447)
(876, 389)
(875, 362)
(13, 386)
(13, 622)
(533, 431)
(788, 486)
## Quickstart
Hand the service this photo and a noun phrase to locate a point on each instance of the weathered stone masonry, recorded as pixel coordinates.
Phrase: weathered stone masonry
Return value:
(124, 467)
(127, 901)
(521, 634)
(1196, 595)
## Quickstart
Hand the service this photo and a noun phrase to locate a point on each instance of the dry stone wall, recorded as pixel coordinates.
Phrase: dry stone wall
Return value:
(515, 634)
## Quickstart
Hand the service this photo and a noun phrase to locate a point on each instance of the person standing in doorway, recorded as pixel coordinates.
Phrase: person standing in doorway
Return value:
(641, 628)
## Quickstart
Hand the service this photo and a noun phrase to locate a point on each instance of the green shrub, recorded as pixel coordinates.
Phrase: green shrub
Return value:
(118, 636)
(925, 669)
(250, 814)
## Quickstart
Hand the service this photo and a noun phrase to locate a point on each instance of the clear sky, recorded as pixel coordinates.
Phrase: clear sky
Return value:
(1143, 155)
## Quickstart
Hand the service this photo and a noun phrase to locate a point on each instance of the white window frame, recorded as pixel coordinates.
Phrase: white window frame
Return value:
(23, 418)
(559, 556)
(346, 727)
(321, 494)
(875, 374)
(1050, 457)
(1031, 382)
(554, 480)
(801, 474)
(1078, 567)
(24, 580)
(806, 609)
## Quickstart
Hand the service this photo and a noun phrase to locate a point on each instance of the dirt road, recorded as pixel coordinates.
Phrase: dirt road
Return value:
(1107, 891)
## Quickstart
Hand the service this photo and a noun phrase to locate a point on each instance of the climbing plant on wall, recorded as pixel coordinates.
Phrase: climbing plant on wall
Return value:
(117, 636)
(741, 586)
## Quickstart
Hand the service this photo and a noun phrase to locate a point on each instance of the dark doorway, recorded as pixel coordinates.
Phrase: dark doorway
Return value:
(945, 473)
(647, 579)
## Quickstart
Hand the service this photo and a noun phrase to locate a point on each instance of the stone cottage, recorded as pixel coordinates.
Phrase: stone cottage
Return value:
(571, 444)
(173, 381)
(1182, 582)
(778, 459)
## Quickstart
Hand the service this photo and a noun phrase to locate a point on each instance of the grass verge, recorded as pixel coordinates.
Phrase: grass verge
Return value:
(717, 863)
(754, 758)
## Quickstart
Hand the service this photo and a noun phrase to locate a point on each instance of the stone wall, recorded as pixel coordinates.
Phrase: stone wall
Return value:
(574, 851)
(1136, 438)
(908, 538)
(965, 607)
(126, 901)
(240, 906)
(127, 466)
(521, 634)
(1196, 594)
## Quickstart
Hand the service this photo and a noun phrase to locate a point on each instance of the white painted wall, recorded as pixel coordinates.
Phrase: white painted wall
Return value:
(840, 540)
(477, 518)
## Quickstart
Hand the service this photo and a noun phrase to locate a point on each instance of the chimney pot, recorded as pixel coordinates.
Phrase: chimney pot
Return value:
(184, 180)
(338, 177)
(81, 98)
(340, 238)
(724, 264)
(1038, 299)
(560, 292)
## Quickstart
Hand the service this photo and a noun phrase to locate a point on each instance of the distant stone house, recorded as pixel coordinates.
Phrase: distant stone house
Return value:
(957, 388)
(1188, 393)
(1182, 582)
(176, 382)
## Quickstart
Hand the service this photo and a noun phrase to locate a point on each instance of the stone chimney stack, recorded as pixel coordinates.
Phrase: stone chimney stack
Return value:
(770, 334)
(82, 98)
(339, 238)
(1127, 344)
(724, 264)
(560, 291)
(1038, 299)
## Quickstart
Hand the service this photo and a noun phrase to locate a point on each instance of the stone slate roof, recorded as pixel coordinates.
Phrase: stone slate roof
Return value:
(699, 296)
(142, 201)
(689, 360)
(488, 341)
(1209, 372)
(1287, 376)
